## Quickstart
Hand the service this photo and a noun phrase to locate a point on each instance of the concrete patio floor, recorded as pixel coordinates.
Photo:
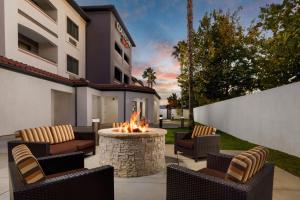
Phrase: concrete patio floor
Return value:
(286, 185)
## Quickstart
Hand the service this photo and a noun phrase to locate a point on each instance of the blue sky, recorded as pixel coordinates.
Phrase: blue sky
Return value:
(157, 25)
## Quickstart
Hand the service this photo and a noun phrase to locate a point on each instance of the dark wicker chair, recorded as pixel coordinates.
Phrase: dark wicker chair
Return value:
(185, 184)
(196, 147)
(80, 183)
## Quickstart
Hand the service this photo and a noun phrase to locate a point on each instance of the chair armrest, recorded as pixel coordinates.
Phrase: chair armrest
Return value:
(218, 161)
(38, 149)
(183, 183)
(207, 143)
(182, 135)
(93, 184)
(62, 162)
(85, 135)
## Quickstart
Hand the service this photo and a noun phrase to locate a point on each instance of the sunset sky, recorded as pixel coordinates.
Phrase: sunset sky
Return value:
(157, 25)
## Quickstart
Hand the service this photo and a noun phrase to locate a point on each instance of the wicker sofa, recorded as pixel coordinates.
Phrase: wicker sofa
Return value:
(54, 140)
(66, 178)
(197, 147)
(186, 184)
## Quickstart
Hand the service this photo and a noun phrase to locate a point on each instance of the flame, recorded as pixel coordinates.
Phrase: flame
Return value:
(134, 125)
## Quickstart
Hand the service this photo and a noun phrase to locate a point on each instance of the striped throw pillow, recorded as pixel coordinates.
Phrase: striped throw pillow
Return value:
(46, 134)
(26, 135)
(239, 169)
(70, 132)
(200, 130)
(245, 165)
(255, 160)
(265, 153)
(56, 134)
(62, 133)
(27, 164)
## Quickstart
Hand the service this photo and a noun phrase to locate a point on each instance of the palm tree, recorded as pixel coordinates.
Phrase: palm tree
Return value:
(150, 74)
(190, 58)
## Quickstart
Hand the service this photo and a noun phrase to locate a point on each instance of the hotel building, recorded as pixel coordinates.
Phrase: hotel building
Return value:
(60, 63)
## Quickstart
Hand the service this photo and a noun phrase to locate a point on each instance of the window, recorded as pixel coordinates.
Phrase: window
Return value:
(126, 79)
(72, 65)
(118, 49)
(28, 44)
(126, 58)
(72, 29)
(118, 74)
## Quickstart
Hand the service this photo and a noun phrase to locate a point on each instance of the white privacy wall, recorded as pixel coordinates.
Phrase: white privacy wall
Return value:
(270, 118)
(26, 101)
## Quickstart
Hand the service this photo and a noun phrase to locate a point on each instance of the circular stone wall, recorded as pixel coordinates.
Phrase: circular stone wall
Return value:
(133, 154)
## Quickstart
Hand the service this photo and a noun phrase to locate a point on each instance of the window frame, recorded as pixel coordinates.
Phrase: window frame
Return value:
(76, 36)
(126, 60)
(121, 74)
(120, 49)
(73, 59)
(127, 77)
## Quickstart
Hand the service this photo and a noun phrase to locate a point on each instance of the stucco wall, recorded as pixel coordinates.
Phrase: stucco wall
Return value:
(270, 118)
(2, 33)
(64, 10)
(26, 101)
(112, 105)
(117, 60)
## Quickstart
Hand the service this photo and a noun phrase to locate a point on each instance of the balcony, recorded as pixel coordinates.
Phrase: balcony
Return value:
(32, 43)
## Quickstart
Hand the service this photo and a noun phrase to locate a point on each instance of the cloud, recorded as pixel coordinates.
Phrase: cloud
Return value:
(158, 55)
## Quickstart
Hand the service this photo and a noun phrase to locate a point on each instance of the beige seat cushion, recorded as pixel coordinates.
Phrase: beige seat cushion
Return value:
(29, 168)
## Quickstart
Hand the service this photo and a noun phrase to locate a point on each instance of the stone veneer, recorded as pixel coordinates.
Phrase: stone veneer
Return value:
(133, 154)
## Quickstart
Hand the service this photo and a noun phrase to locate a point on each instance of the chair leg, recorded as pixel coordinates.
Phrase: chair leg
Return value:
(175, 151)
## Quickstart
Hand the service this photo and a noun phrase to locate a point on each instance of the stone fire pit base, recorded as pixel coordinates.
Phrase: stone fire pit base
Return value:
(133, 154)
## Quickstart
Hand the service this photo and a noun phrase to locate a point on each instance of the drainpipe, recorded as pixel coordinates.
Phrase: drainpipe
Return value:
(75, 106)
(124, 105)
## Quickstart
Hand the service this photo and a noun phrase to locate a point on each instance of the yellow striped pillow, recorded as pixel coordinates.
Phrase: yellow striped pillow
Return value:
(239, 169)
(265, 153)
(200, 130)
(196, 130)
(27, 135)
(27, 164)
(71, 132)
(56, 134)
(40, 134)
(254, 158)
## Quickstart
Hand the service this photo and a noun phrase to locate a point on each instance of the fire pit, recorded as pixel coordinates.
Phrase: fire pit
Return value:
(132, 151)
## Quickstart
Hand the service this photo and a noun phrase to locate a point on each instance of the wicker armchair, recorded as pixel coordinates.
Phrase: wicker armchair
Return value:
(186, 184)
(66, 179)
(196, 147)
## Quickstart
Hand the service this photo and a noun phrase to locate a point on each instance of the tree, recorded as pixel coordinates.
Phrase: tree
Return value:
(280, 63)
(181, 54)
(224, 59)
(150, 75)
(190, 59)
(173, 101)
